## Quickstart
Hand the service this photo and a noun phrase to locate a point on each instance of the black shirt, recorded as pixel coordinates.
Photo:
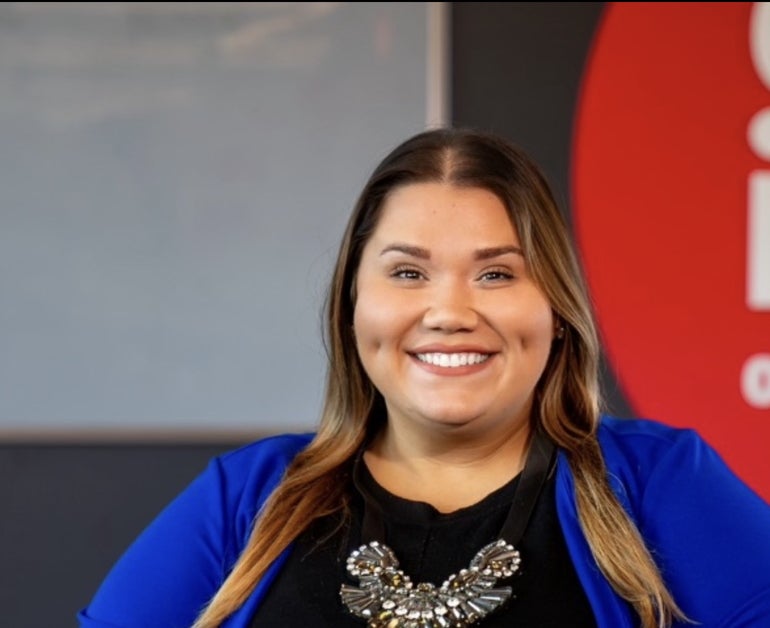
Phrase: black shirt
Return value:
(430, 546)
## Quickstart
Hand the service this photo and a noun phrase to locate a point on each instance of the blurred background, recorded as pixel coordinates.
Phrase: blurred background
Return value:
(175, 178)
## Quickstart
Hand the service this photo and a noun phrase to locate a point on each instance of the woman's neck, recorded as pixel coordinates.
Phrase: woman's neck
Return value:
(449, 470)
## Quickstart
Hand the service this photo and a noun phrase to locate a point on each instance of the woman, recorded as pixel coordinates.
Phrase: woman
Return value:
(461, 429)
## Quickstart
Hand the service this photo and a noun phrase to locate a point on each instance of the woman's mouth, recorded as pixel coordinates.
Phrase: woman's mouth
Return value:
(452, 360)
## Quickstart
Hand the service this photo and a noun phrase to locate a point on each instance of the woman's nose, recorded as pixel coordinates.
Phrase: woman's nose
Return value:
(451, 309)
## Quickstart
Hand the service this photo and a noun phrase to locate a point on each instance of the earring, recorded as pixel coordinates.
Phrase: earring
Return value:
(560, 331)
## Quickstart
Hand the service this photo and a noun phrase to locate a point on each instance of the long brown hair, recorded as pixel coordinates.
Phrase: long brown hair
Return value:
(566, 398)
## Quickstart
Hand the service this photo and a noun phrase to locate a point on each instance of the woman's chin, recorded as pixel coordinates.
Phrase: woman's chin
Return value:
(453, 419)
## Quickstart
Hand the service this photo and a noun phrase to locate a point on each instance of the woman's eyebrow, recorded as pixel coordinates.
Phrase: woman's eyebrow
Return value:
(497, 251)
(480, 254)
(408, 249)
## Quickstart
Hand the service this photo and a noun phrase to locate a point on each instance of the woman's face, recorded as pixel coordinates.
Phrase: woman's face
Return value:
(449, 326)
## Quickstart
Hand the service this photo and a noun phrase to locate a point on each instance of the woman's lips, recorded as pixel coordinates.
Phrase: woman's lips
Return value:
(452, 362)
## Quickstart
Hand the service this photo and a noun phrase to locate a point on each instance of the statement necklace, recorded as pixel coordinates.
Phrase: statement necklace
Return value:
(387, 598)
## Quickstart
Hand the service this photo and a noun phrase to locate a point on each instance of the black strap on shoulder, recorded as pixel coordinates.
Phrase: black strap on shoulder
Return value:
(540, 459)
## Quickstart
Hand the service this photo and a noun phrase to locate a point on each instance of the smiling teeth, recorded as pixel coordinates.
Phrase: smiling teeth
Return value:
(452, 360)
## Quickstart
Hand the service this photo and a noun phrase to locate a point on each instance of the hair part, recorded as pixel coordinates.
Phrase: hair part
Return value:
(567, 396)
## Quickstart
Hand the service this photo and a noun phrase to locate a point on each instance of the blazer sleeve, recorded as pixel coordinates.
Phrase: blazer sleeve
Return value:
(710, 534)
(179, 561)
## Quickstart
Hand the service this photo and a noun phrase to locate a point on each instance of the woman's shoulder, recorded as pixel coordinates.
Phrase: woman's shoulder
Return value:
(647, 446)
(649, 462)
(256, 468)
(640, 437)
(226, 496)
(270, 450)
(641, 453)
(238, 481)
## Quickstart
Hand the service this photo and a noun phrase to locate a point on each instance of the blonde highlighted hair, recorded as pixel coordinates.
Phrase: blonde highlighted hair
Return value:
(566, 398)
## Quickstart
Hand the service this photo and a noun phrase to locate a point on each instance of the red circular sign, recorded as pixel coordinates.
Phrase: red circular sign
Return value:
(671, 204)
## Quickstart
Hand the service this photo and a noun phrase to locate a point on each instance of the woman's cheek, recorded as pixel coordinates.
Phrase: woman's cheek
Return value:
(370, 320)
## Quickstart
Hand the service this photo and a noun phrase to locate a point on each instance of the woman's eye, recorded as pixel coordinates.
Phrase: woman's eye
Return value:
(497, 275)
(406, 273)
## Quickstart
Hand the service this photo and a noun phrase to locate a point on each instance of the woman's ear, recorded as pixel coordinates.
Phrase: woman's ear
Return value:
(558, 329)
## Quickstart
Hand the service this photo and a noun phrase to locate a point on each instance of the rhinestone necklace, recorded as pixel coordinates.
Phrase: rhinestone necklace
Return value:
(387, 598)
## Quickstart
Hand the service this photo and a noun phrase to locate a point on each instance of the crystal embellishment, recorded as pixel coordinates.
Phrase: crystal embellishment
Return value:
(387, 598)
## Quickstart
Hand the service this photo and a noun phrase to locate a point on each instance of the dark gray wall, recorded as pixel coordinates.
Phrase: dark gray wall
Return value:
(516, 71)
(69, 511)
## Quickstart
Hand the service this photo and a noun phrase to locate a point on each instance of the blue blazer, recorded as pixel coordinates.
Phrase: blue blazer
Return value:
(708, 532)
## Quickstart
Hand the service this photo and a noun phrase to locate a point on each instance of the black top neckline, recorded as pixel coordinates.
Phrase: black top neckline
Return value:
(521, 495)
(420, 513)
